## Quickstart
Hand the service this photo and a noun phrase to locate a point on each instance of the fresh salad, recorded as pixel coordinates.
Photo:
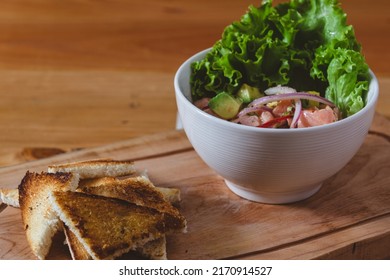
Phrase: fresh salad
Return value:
(296, 64)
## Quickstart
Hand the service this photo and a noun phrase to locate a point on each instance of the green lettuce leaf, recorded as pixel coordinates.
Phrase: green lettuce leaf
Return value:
(305, 44)
(348, 78)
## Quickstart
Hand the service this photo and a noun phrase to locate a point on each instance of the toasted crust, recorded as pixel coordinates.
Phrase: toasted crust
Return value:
(154, 249)
(40, 222)
(2, 206)
(76, 248)
(96, 168)
(10, 197)
(172, 195)
(102, 216)
(138, 190)
(107, 227)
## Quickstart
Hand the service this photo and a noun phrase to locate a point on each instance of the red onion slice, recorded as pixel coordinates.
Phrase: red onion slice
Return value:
(253, 109)
(287, 96)
(297, 113)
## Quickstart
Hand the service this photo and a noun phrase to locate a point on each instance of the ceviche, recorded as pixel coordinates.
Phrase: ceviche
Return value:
(293, 65)
(279, 107)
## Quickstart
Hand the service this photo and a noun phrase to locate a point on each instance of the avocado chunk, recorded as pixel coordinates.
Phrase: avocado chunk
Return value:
(225, 105)
(248, 93)
(312, 103)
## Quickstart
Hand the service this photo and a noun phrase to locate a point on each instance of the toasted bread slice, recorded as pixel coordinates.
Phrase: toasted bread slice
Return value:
(138, 190)
(39, 221)
(10, 197)
(107, 227)
(76, 248)
(2, 206)
(154, 249)
(96, 168)
(172, 195)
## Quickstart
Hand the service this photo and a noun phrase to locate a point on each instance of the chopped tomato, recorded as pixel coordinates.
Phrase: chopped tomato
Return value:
(276, 122)
(282, 107)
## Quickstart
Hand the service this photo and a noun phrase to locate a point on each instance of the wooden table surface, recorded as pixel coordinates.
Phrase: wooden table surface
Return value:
(82, 74)
(77, 74)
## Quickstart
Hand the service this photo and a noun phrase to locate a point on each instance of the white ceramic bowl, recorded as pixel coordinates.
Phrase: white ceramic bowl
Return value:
(271, 165)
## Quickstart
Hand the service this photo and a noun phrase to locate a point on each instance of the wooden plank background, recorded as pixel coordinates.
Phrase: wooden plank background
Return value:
(77, 74)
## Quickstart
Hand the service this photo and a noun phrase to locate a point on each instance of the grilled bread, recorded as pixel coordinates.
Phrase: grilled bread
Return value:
(138, 190)
(172, 195)
(40, 222)
(96, 168)
(102, 216)
(107, 227)
(108, 186)
(76, 248)
(9, 197)
(154, 249)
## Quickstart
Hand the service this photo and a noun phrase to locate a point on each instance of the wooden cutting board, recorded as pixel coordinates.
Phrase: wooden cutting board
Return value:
(349, 218)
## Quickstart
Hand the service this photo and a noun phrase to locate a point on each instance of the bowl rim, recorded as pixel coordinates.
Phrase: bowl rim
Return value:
(370, 102)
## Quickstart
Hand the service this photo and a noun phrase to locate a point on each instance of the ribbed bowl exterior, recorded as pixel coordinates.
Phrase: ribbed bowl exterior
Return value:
(276, 163)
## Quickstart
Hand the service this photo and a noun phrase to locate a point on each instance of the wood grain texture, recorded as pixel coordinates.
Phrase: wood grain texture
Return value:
(156, 35)
(87, 79)
(347, 219)
(77, 74)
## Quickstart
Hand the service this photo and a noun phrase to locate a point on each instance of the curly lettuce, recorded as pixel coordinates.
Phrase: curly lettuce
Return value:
(305, 44)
